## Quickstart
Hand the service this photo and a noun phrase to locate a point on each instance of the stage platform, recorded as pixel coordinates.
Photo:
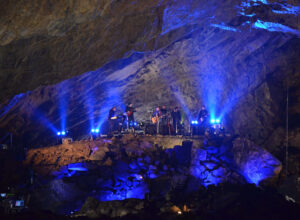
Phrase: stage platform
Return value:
(48, 159)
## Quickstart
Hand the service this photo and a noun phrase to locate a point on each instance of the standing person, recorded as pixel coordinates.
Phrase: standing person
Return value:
(112, 119)
(202, 119)
(176, 116)
(156, 118)
(130, 115)
(164, 120)
(203, 114)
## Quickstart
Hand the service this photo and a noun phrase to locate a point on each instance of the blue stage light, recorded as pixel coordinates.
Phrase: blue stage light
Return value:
(195, 122)
(217, 120)
(213, 121)
(61, 133)
(97, 130)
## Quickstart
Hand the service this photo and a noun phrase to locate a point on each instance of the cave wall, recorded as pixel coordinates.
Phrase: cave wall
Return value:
(233, 56)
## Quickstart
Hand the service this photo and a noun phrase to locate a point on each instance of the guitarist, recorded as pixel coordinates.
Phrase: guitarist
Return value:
(156, 115)
(130, 114)
(156, 118)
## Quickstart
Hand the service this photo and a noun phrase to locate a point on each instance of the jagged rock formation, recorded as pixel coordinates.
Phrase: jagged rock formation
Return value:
(228, 201)
(133, 167)
(234, 56)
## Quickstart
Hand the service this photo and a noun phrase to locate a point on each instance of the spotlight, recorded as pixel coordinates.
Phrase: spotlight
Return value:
(195, 122)
(61, 133)
(213, 121)
(217, 120)
(95, 130)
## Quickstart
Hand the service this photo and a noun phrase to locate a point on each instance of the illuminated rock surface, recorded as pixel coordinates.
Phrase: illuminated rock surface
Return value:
(139, 167)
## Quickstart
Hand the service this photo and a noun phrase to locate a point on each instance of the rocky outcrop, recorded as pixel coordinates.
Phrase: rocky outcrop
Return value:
(51, 159)
(136, 167)
(93, 208)
(255, 163)
(242, 162)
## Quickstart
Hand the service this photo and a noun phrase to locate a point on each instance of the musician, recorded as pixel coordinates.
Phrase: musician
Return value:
(130, 114)
(156, 118)
(164, 120)
(203, 122)
(156, 113)
(112, 119)
(176, 116)
(203, 114)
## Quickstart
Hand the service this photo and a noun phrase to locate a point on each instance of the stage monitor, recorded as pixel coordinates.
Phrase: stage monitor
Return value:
(3, 195)
(19, 203)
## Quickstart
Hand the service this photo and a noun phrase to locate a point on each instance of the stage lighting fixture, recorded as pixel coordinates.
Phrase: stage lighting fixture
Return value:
(97, 130)
(195, 122)
(213, 121)
(217, 120)
(61, 133)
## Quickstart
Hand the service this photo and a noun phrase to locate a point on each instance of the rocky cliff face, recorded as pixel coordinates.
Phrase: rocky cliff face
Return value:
(236, 57)
(134, 166)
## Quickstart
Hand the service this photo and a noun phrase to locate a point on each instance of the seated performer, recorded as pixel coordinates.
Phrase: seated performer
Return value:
(130, 115)
(176, 116)
(112, 119)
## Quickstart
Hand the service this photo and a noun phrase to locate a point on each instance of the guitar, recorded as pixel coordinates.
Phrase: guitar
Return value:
(155, 119)
(130, 112)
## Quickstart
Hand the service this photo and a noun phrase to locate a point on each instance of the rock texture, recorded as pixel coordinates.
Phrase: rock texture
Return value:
(136, 167)
(236, 57)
